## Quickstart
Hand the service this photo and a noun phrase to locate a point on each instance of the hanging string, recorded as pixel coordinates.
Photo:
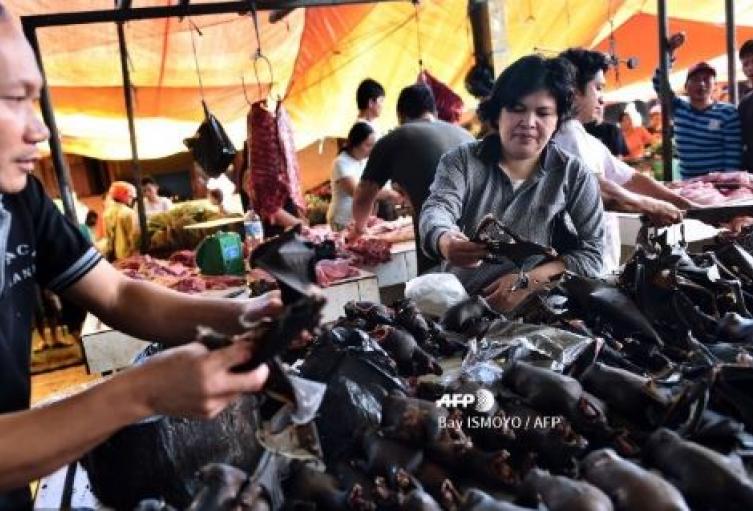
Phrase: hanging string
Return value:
(254, 17)
(256, 74)
(614, 59)
(195, 56)
(418, 36)
(245, 92)
(259, 55)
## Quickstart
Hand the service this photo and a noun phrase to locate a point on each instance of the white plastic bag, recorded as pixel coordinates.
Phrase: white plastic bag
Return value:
(434, 293)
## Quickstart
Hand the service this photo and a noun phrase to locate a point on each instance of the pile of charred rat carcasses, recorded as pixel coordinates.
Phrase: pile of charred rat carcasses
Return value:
(633, 395)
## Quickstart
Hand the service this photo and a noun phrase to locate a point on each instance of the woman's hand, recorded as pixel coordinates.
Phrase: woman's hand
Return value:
(501, 296)
(459, 251)
(191, 381)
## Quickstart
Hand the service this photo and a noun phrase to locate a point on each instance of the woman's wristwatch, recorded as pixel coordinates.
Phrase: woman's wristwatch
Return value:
(525, 281)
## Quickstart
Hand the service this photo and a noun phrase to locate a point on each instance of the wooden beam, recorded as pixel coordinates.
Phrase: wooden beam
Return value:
(175, 11)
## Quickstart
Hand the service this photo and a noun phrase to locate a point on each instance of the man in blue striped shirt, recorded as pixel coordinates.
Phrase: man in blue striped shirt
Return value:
(707, 132)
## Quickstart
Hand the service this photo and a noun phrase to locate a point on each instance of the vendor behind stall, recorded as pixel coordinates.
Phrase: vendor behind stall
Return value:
(289, 215)
(408, 156)
(215, 198)
(636, 136)
(654, 125)
(38, 245)
(346, 171)
(153, 202)
(121, 222)
(516, 174)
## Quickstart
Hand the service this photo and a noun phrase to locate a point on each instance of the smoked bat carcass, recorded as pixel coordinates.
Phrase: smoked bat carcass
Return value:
(477, 500)
(630, 486)
(556, 448)
(321, 492)
(550, 392)
(708, 479)
(374, 314)
(411, 359)
(562, 493)
(470, 463)
(415, 421)
(385, 456)
(635, 397)
(220, 486)
(470, 317)
(607, 304)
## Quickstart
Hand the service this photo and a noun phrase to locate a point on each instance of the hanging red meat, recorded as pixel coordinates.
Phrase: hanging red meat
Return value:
(287, 142)
(449, 105)
(274, 166)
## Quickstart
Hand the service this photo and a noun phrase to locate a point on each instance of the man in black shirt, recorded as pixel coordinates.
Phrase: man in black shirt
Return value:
(408, 156)
(39, 245)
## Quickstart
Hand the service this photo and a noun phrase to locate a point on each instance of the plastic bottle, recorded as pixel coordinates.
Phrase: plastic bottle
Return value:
(254, 229)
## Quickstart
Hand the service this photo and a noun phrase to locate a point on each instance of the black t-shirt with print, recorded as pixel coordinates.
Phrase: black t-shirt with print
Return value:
(38, 245)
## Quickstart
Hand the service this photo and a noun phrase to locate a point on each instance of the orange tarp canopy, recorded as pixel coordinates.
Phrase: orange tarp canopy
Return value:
(554, 25)
(319, 55)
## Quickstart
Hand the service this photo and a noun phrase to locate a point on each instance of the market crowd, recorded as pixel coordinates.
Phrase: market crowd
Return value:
(536, 169)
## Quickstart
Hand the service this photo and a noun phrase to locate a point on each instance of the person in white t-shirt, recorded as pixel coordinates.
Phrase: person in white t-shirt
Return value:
(346, 171)
(153, 202)
(622, 189)
(227, 187)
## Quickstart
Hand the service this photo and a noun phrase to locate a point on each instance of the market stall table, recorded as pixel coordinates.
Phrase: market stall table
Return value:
(213, 224)
(400, 269)
(695, 232)
(364, 287)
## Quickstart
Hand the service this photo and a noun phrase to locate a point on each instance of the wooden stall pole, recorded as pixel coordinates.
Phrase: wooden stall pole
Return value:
(729, 6)
(666, 100)
(135, 165)
(56, 149)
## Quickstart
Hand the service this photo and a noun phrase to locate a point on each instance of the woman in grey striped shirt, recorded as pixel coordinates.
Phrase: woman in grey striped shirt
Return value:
(537, 190)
